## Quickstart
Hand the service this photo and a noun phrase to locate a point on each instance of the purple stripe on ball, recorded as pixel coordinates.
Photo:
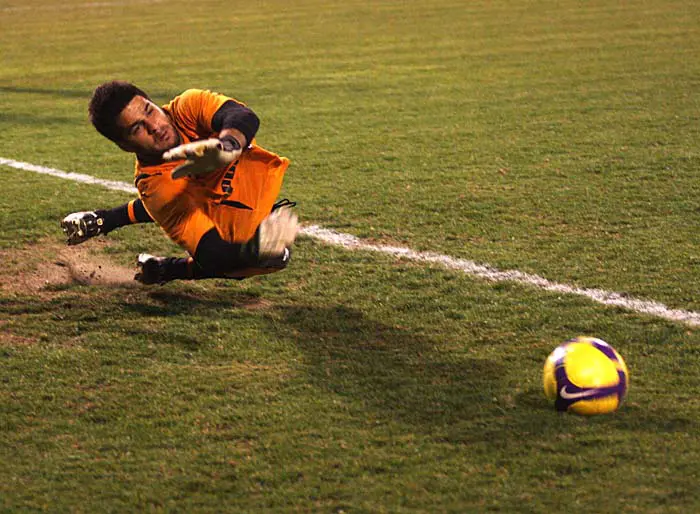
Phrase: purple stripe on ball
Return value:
(562, 381)
(621, 384)
(606, 349)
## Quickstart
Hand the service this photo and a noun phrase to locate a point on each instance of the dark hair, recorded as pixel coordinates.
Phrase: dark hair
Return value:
(107, 102)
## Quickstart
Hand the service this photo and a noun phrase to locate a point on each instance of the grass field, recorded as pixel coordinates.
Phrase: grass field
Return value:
(554, 138)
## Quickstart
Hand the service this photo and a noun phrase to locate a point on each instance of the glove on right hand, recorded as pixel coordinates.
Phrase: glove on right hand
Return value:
(202, 157)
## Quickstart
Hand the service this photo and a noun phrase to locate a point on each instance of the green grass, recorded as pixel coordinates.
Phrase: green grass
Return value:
(554, 139)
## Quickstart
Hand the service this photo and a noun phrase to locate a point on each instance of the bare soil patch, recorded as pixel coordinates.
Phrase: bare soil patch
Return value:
(44, 266)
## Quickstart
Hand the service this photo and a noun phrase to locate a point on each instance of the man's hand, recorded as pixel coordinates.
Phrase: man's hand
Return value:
(81, 226)
(277, 232)
(203, 156)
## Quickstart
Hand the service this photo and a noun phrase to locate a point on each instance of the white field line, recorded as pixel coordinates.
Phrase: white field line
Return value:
(491, 274)
(471, 268)
(76, 177)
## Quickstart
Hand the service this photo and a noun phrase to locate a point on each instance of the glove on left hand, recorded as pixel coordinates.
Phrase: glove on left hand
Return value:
(81, 226)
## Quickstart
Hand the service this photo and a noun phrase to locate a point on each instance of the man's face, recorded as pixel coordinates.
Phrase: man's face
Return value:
(146, 129)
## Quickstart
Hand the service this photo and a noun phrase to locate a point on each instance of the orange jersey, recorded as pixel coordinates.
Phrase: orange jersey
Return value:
(233, 199)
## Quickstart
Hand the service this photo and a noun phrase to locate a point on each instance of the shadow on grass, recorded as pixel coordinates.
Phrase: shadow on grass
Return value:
(169, 302)
(390, 370)
(82, 310)
(391, 373)
(108, 298)
(630, 418)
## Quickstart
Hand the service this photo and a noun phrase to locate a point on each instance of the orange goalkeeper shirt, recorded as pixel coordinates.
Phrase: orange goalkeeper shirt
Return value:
(233, 199)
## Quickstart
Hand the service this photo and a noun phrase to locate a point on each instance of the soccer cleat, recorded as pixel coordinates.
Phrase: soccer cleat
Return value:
(151, 269)
(81, 226)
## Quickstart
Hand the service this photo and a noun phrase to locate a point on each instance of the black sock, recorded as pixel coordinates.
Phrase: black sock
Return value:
(178, 268)
(119, 216)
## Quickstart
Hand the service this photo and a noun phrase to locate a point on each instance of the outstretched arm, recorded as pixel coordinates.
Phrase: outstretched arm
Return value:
(236, 125)
(81, 226)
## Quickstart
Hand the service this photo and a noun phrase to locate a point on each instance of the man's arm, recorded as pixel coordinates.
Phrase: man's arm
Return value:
(81, 226)
(236, 120)
(236, 125)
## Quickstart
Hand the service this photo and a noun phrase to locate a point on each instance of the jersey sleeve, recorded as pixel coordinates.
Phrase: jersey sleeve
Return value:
(194, 110)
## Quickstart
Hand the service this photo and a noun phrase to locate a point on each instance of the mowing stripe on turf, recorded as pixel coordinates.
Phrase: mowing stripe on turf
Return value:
(472, 268)
(84, 5)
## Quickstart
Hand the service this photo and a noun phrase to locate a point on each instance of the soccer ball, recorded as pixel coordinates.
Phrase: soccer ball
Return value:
(585, 375)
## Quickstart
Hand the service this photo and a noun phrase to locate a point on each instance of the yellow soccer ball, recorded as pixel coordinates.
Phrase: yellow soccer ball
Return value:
(585, 375)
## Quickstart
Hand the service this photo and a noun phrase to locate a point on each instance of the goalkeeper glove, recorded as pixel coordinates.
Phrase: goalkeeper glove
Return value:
(81, 226)
(203, 157)
(277, 232)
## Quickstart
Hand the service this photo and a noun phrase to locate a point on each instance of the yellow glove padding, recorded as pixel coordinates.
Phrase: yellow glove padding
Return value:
(202, 157)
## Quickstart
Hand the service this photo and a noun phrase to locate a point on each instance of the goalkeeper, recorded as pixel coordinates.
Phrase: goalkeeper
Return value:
(201, 178)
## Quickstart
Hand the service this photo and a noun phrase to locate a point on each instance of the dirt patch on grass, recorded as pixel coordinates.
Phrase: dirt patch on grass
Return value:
(46, 266)
(49, 269)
